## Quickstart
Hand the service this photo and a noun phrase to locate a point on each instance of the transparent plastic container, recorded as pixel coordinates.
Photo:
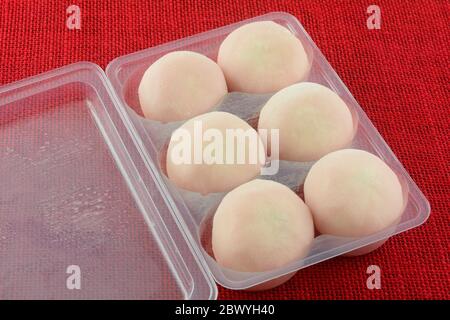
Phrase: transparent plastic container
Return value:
(73, 134)
(75, 191)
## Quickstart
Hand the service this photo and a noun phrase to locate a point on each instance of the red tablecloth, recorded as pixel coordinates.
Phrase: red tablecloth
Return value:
(399, 74)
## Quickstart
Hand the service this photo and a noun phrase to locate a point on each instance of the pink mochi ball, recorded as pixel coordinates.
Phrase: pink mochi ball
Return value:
(353, 193)
(181, 85)
(312, 121)
(211, 176)
(260, 226)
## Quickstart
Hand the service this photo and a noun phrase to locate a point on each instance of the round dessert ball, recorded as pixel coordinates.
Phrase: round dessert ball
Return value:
(312, 121)
(353, 193)
(214, 152)
(181, 85)
(259, 226)
(262, 57)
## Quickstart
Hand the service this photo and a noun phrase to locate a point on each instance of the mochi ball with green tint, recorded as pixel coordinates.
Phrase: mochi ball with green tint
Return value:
(214, 152)
(181, 85)
(353, 193)
(312, 121)
(260, 226)
(262, 57)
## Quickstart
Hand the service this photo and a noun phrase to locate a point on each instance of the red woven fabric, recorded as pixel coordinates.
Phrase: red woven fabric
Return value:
(399, 74)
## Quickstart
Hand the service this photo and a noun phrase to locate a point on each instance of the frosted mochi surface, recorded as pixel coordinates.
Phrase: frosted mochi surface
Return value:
(215, 177)
(353, 193)
(260, 226)
(312, 119)
(181, 85)
(262, 57)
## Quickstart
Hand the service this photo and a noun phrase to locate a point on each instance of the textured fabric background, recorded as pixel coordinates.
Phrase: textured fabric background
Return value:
(399, 74)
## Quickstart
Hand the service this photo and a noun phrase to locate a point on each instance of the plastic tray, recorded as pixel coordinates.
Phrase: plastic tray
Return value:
(193, 210)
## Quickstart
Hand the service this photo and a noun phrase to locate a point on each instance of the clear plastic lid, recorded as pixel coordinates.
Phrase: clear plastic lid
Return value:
(75, 192)
(82, 185)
